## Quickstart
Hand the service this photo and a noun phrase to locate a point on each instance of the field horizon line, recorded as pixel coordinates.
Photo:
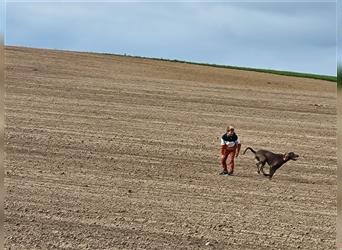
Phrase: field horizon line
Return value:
(330, 78)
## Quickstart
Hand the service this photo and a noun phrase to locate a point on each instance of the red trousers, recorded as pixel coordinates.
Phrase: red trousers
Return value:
(227, 159)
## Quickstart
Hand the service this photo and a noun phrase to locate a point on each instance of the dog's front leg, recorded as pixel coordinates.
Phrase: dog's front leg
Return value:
(272, 171)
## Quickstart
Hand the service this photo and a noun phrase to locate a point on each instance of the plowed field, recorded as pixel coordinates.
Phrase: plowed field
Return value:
(113, 152)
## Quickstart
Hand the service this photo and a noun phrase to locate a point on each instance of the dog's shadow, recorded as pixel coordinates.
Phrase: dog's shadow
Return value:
(285, 179)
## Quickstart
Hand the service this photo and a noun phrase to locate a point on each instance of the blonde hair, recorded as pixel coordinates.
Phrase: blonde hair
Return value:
(229, 128)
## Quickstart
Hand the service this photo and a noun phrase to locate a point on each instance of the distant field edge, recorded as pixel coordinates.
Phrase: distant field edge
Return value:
(270, 71)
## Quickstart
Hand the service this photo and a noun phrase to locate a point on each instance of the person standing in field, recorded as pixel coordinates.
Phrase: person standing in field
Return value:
(230, 148)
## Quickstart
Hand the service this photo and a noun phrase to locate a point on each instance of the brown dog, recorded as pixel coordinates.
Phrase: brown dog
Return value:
(275, 161)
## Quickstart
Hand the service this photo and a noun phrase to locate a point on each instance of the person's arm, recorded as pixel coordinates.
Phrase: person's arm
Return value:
(223, 146)
(238, 148)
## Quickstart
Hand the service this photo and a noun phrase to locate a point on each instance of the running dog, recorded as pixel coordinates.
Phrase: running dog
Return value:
(275, 161)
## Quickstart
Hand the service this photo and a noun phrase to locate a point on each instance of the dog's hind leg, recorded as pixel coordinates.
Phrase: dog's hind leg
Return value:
(258, 166)
(262, 169)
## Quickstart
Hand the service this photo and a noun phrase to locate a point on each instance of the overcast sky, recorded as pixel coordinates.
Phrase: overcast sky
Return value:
(280, 35)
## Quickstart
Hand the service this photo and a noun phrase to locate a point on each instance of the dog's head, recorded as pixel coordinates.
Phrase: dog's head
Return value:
(290, 156)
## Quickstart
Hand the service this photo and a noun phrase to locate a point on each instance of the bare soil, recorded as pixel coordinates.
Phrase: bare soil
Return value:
(113, 152)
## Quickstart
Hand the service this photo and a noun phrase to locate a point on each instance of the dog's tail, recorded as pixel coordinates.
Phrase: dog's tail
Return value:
(249, 149)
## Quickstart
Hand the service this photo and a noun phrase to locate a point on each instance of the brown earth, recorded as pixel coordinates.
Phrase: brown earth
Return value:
(112, 152)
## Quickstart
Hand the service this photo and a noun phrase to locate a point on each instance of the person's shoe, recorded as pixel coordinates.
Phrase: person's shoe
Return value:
(230, 173)
(224, 173)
